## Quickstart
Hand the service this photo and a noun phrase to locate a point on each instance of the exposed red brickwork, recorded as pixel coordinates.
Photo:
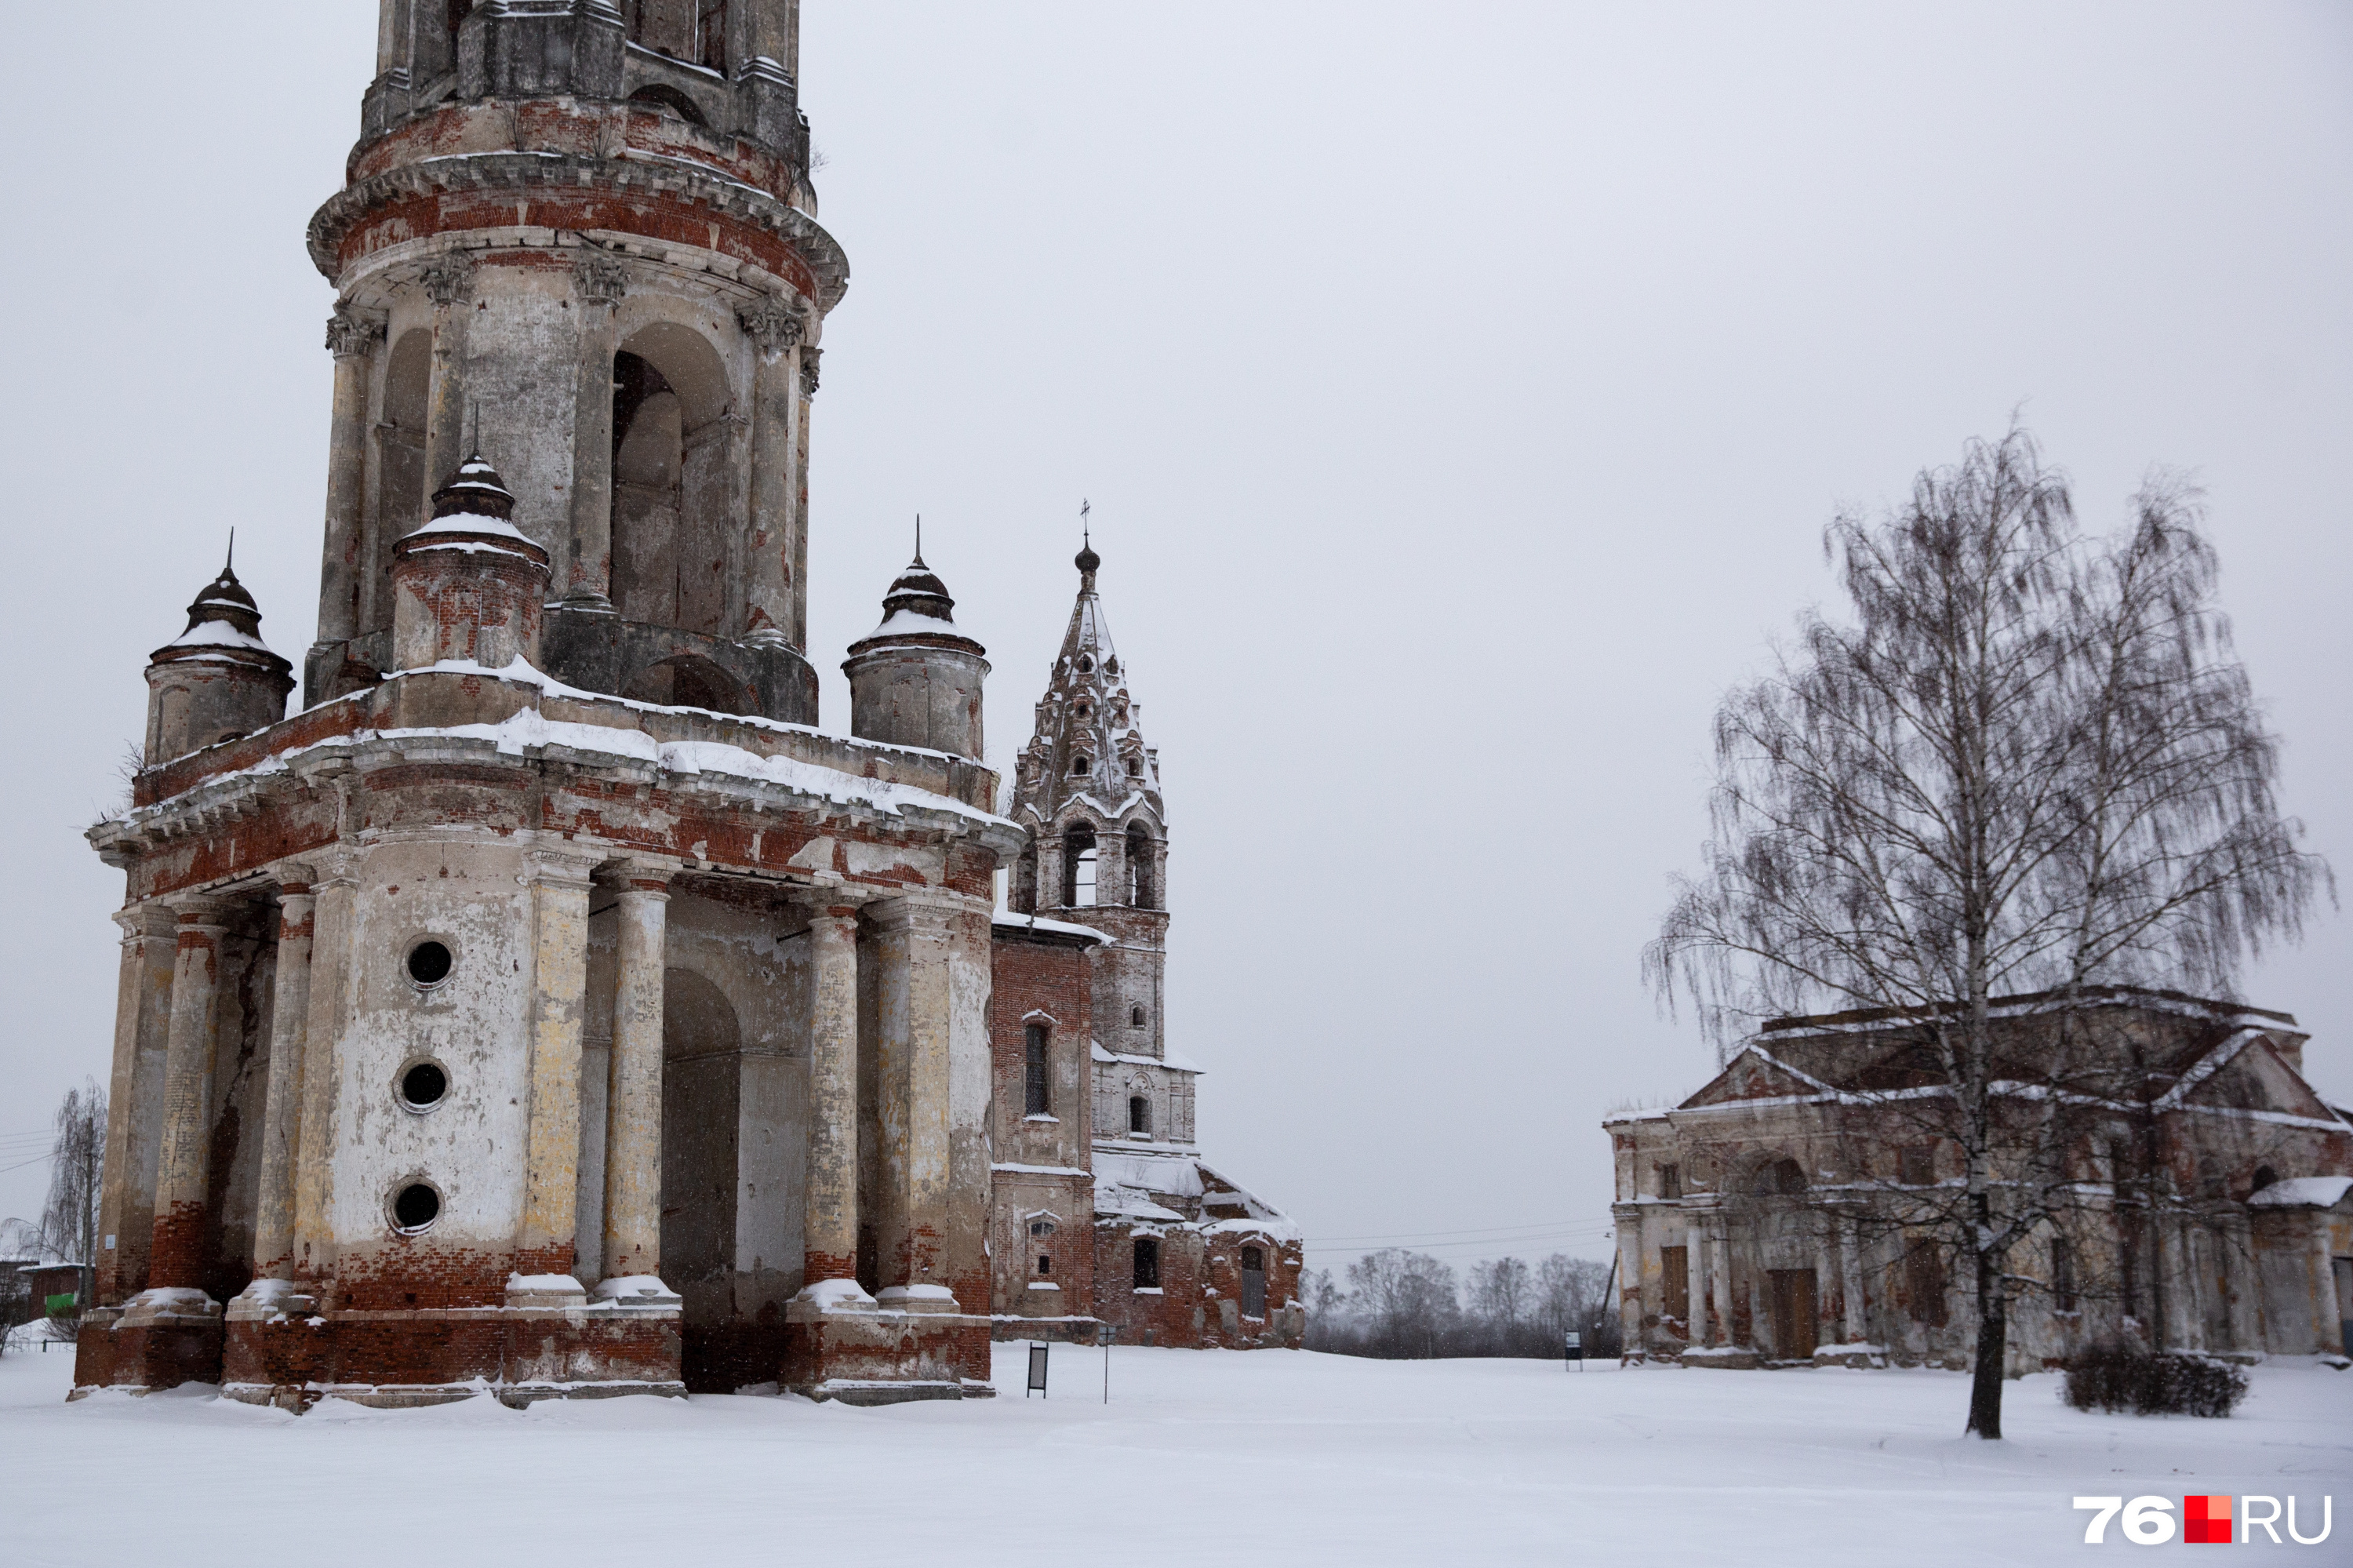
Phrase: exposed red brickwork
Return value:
(163, 1355)
(885, 1346)
(568, 126)
(395, 1348)
(672, 219)
(408, 1272)
(177, 1260)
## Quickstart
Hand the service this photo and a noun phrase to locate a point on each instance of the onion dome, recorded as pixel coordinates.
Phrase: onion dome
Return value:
(918, 591)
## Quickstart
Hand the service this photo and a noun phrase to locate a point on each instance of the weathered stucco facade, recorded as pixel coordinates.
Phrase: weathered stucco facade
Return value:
(1786, 1213)
(547, 1004)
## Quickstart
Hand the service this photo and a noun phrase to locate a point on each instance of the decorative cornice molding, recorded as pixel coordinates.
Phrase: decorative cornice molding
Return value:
(558, 172)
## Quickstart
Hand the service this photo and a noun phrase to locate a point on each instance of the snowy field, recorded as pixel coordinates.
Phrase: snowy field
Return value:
(1200, 1459)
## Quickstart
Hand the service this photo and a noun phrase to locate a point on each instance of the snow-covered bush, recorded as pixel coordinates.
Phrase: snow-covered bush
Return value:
(2118, 1377)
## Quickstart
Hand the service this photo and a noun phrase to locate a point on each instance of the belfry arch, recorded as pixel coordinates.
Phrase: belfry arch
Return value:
(673, 481)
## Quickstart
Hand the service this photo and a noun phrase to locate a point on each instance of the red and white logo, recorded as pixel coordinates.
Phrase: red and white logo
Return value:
(2204, 1521)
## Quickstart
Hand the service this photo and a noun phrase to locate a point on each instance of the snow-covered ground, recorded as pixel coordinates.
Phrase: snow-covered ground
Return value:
(1200, 1459)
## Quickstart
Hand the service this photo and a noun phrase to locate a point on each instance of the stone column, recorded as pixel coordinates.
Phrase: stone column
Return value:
(449, 282)
(830, 1222)
(1695, 1258)
(352, 337)
(808, 354)
(1719, 1282)
(770, 571)
(1858, 1331)
(335, 888)
(559, 995)
(142, 1013)
(633, 1129)
(1631, 1265)
(182, 1164)
(598, 282)
(914, 1088)
(2328, 1332)
(282, 1127)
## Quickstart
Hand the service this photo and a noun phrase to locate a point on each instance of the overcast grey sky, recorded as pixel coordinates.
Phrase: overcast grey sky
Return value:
(1460, 390)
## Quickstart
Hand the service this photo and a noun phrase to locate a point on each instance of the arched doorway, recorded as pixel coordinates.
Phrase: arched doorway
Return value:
(702, 1056)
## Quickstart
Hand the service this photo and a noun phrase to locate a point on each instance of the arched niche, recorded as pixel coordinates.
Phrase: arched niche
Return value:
(673, 481)
(689, 682)
(401, 486)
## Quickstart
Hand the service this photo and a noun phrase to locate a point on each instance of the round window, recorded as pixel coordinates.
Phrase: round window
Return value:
(428, 963)
(415, 1208)
(424, 1085)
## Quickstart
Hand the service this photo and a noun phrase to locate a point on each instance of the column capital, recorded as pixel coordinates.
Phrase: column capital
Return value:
(558, 868)
(155, 919)
(639, 872)
(352, 334)
(599, 278)
(773, 324)
(205, 911)
(449, 279)
(926, 917)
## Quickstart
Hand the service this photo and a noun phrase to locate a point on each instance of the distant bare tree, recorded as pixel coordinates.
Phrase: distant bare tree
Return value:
(70, 1219)
(1409, 1302)
(2031, 764)
(1501, 1292)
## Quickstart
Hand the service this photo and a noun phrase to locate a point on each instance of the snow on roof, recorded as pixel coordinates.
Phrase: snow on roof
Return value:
(1172, 1061)
(2304, 1193)
(905, 623)
(1176, 1175)
(529, 728)
(1014, 920)
(474, 523)
(218, 634)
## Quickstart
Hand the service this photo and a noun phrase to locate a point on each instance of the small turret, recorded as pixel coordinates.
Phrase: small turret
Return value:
(217, 680)
(916, 680)
(468, 585)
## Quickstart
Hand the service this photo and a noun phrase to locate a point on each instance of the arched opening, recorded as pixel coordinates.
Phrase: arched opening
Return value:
(691, 30)
(673, 461)
(1147, 1262)
(1139, 1116)
(1143, 892)
(1781, 1178)
(1082, 765)
(400, 471)
(1254, 1282)
(2264, 1177)
(668, 101)
(1079, 868)
(703, 1054)
(688, 682)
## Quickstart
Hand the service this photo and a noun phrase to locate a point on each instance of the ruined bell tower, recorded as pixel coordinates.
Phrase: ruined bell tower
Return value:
(579, 238)
(547, 1005)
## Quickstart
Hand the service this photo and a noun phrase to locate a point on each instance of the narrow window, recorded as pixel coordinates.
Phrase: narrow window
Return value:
(1675, 1283)
(1147, 1262)
(1140, 889)
(1045, 1264)
(1080, 766)
(1136, 1016)
(1253, 1282)
(1923, 1274)
(1139, 1116)
(1136, 767)
(1036, 1096)
(1086, 664)
(1917, 1164)
(2063, 1275)
(458, 9)
(1080, 863)
(1670, 1180)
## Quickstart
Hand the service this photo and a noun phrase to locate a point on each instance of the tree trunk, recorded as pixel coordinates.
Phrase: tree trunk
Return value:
(1993, 1347)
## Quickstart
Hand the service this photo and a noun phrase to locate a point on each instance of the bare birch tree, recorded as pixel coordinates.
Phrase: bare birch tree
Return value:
(2031, 763)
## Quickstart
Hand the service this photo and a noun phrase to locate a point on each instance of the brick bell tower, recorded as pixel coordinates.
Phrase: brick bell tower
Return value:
(1087, 788)
(547, 1004)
